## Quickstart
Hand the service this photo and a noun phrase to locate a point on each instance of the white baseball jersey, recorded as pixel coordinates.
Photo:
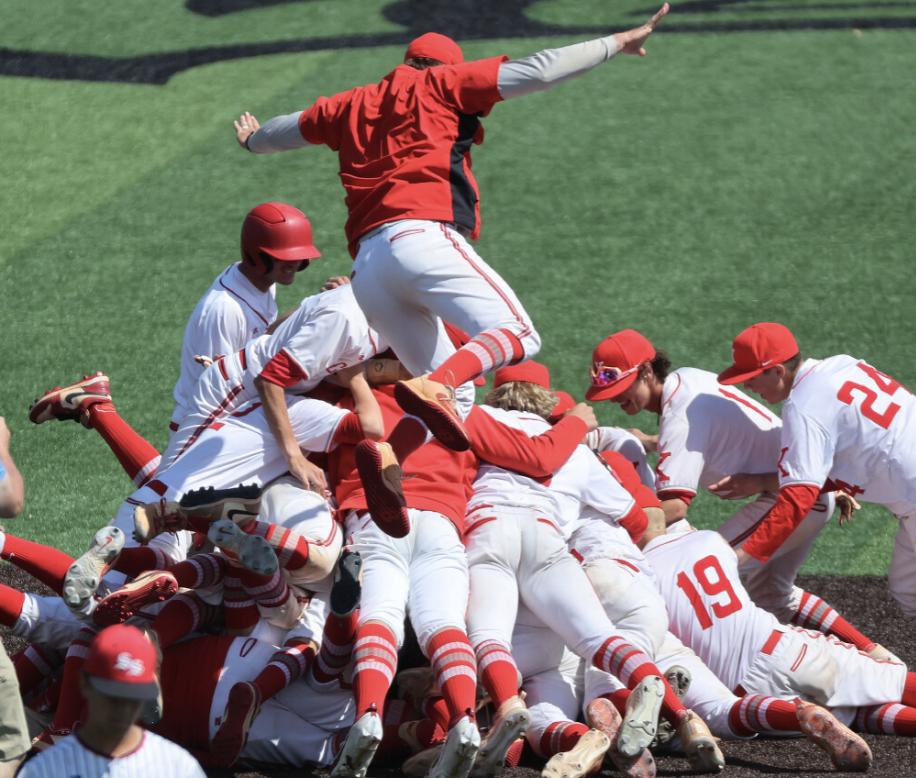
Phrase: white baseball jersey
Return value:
(232, 312)
(154, 757)
(327, 333)
(708, 431)
(849, 422)
(708, 608)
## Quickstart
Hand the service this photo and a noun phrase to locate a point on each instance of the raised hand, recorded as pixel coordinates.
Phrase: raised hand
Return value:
(632, 41)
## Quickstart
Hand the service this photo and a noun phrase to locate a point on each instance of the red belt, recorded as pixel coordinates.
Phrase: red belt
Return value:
(768, 648)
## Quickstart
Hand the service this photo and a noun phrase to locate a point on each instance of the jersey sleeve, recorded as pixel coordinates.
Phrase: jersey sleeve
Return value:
(322, 123)
(603, 490)
(307, 350)
(806, 449)
(536, 457)
(679, 465)
(314, 422)
(791, 507)
(471, 87)
(283, 370)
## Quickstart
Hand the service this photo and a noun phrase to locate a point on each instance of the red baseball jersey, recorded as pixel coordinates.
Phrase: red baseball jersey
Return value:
(404, 143)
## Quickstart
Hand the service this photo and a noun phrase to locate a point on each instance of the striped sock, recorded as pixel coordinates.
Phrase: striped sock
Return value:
(630, 665)
(292, 548)
(285, 666)
(497, 669)
(488, 351)
(758, 713)
(375, 661)
(199, 571)
(268, 591)
(558, 737)
(452, 659)
(182, 615)
(890, 719)
(336, 648)
(138, 559)
(239, 608)
(137, 455)
(814, 613)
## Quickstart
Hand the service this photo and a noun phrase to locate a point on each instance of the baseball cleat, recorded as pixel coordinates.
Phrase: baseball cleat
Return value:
(241, 708)
(511, 722)
(123, 603)
(434, 404)
(678, 679)
(601, 715)
(456, 757)
(251, 551)
(346, 589)
(846, 749)
(70, 402)
(701, 748)
(584, 758)
(640, 721)
(85, 574)
(154, 518)
(360, 746)
(239, 504)
(381, 476)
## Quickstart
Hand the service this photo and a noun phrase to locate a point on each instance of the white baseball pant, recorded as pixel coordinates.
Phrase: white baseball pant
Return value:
(901, 577)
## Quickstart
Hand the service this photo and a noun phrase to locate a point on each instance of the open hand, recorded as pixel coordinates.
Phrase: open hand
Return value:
(245, 126)
(632, 41)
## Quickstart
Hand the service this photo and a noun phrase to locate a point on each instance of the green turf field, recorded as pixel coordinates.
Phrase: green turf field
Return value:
(729, 177)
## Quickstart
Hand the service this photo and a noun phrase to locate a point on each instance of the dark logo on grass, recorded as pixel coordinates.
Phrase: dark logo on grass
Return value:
(465, 20)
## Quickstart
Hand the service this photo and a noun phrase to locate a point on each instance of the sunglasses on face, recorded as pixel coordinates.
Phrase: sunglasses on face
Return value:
(605, 376)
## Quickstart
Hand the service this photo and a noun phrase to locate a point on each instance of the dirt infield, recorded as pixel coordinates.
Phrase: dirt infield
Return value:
(865, 601)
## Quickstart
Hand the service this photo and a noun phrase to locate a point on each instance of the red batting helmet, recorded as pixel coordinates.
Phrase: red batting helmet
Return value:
(277, 231)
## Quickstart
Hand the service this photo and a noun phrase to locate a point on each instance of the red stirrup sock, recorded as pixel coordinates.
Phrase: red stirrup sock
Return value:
(618, 699)
(489, 350)
(336, 647)
(292, 549)
(137, 455)
(33, 664)
(11, 602)
(138, 559)
(375, 661)
(560, 736)
(199, 571)
(498, 671)
(407, 436)
(452, 659)
(759, 713)
(285, 666)
(814, 613)
(889, 719)
(45, 563)
(182, 615)
(70, 704)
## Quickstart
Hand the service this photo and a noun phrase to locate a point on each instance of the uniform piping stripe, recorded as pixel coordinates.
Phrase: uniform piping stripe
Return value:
(218, 411)
(244, 302)
(800, 658)
(526, 326)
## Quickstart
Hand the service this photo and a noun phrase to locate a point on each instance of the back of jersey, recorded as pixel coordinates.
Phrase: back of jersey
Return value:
(708, 607)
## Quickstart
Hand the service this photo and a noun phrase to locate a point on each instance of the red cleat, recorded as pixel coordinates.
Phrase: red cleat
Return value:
(241, 709)
(123, 603)
(434, 403)
(71, 402)
(381, 476)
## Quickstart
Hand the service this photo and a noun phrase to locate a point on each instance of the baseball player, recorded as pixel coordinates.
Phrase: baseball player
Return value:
(516, 542)
(707, 433)
(846, 426)
(119, 677)
(753, 654)
(404, 152)
(276, 243)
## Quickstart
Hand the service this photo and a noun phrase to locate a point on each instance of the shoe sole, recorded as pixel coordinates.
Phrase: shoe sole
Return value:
(846, 750)
(85, 574)
(601, 715)
(640, 721)
(445, 428)
(124, 603)
(365, 747)
(457, 761)
(492, 754)
(347, 589)
(242, 707)
(42, 409)
(386, 503)
(238, 504)
(253, 552)
(585, 757)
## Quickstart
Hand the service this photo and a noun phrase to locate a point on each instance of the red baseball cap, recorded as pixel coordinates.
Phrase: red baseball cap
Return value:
(565, 402)
(759, 347)
(122, 663)
(615, 363)
(529, 372)
(432, 45)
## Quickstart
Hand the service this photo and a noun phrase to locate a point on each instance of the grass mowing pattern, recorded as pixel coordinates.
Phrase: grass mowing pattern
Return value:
(723, 180)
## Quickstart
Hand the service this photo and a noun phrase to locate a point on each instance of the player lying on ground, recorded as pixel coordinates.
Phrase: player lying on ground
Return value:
(846, 426)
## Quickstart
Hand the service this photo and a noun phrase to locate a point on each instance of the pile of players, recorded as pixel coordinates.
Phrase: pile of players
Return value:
(329, 477)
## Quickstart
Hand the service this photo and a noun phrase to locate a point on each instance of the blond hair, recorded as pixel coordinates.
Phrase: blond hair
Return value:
(522, 396)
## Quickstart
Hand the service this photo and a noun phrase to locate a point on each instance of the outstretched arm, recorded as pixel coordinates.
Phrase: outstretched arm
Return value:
(278, 134)
(550, 67)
